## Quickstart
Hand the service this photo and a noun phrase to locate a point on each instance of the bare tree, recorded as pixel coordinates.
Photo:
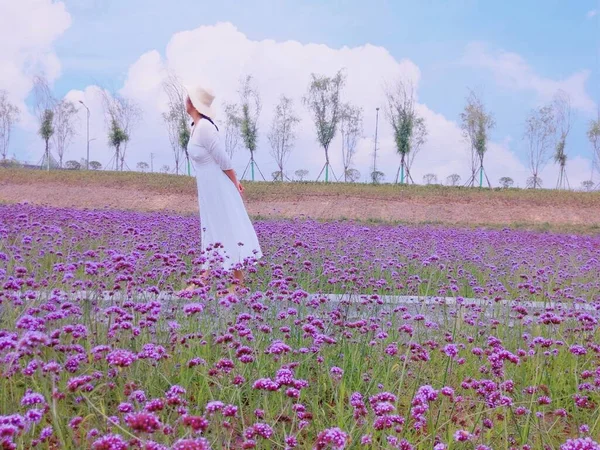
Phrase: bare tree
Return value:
(165, 169)
(539, 133)
(283, 134)
(418, 138)
(351, 128)
(377, 176)
(453, 179)
(430, 178)
(587, 185)
(506, 182)
(593, 135)
(232, 128)
(476, 123)
(562, 111)
(410, 132)
(175, 119)
(301, 174)
(142, 166)
(323, 101)
(65, 114)
(352, 175)
(251, 107)
(122, 115)
(9, 115)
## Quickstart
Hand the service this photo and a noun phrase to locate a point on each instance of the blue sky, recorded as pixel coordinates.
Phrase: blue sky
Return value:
(554, 39)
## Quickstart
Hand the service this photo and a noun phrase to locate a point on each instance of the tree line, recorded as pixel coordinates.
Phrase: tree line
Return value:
(546, 131)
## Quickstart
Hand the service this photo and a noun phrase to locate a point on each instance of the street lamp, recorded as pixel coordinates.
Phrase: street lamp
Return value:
(87, 161)
(375, 151)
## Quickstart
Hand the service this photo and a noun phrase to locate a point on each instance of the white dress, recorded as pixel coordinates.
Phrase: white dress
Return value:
(223, 216)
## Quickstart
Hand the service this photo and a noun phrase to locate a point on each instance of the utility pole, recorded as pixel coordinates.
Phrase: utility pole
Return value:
(87, 161)
(375, 150)
(151, 162)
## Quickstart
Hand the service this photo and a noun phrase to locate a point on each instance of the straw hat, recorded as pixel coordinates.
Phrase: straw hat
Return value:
(202, 100)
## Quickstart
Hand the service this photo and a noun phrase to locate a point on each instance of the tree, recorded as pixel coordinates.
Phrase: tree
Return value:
(277, 175)
(588, 185)
(73, 165)
(142, 166)
(453, 179)
(506, 182)
(122, 115)
(175, 119)
(351, 128)
(116, 138)
(323, 101)
(410, 131)
(593, 135)
(476, 123)
(44, 104)
(9, 115)
(64, 116)
(165, 169)
(301, 174)
(539, 132)
(232, 128)
(95, 165)
(46, 131)
(377, 177)
(562, 111)
(251, 108)
(283, 134)
(430, 178)
(352, 175)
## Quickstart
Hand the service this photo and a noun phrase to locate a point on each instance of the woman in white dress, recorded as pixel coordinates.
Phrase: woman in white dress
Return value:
(223, 216)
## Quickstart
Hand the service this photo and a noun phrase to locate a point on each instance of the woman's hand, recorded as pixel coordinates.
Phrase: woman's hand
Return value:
(240, 188)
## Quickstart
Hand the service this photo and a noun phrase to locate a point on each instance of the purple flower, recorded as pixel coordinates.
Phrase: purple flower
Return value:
(580, 444)
(120, 358)
(333, 438)
(143, 422)
(110, 442)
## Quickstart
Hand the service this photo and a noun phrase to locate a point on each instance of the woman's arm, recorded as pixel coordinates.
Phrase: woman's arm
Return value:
(232, 176)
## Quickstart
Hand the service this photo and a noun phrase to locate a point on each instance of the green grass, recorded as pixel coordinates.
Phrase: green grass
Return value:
(173, 184)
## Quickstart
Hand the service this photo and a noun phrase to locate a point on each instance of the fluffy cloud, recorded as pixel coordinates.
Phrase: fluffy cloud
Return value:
(512, 71)
(29, 28)
(591, 14)
(219, 56)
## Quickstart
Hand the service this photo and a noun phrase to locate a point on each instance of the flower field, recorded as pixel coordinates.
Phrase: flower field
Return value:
(317, 351)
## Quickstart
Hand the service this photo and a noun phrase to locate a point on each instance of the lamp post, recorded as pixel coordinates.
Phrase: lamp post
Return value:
(87, 161)
(375, 150)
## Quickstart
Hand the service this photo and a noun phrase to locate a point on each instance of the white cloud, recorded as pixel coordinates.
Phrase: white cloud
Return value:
(512, 71)
(29, 28)
(218, 56)
(591, 14)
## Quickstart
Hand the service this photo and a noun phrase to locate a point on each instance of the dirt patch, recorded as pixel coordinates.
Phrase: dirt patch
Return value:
(436, 209)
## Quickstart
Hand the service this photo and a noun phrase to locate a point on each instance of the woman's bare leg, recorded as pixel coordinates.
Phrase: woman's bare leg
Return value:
(239, 276)
(204, 276)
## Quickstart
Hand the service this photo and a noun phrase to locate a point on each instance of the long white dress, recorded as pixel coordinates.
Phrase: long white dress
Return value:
(223, 216)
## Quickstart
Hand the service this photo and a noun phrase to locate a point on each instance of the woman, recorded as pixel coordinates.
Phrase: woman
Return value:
(223, 216)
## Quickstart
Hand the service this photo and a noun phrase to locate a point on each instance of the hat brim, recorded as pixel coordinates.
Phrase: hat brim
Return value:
(199, 106)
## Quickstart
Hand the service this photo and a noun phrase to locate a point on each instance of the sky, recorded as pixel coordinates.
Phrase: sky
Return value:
(516, 55)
